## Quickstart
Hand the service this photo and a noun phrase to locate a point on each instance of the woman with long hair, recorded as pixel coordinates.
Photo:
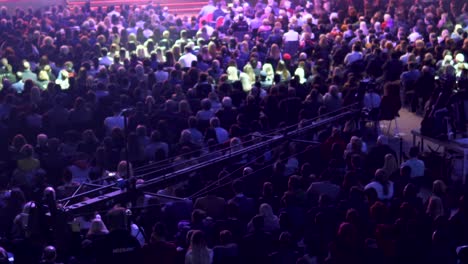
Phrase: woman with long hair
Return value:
(391, 166)
(198, 252)
(205, 55)
(283, 71)
(97, 228)
(184, 109)
(270, 73)
(177, 52)
(212, 49)
(250, 73)
(271, 221)
(274, 55)
(436, 203)
(169, 59)
(265, 27)
(122, 171)
(301, 72)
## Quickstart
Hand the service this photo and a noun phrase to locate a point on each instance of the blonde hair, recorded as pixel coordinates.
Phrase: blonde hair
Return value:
(141, 52)
(248, 69)
(268, 68)
(275, 51)
(281, 69)
(232, 73)
(390, 164)
(97, 227)
(122, 170)
(48, 41)
(212, 50)
(43, 76)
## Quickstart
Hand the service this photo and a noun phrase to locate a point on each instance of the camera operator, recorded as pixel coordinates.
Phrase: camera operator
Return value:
(440, 106)
(119, 246)
(370, 99)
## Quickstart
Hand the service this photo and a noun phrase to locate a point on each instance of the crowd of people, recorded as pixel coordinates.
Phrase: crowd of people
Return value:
(90, 95)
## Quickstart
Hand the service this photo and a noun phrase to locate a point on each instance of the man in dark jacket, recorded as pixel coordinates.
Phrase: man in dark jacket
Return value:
(119, 246)
(256, 246)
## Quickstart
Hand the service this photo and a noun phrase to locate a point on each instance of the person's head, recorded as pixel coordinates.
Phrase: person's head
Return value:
(41, 140)
(26, 65)
(333, 90)
(155, 136)
(225, 237)
(198, 216)
(27, 151)
(206, 104)
(435, 207)
(49, 254)
(294, 182)
(238, 186)
(49, 194)
(414, 152)
(159, 232)
(347, 233)
(97, 227)
(267, 189)
(18, 142)
(379, 212)
(141, 131)
(122, 169)
(462, 253)
(390, 163)
(382, 140)
(117, 219)
(381, 176)
(265, 210)
(192, 122)
(197, 240)
(438, 187)
(227, 102)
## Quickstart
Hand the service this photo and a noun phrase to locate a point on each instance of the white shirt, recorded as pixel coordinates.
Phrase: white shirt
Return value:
(147, 33)
(205, 114)
(206, 10)
(291, 35)
(197, 136)
(161, 76)
(209, 30)
(189, 257)
(379, 189)
(352, 57)
(64, 83)
(221, 134)
(79, 174)
(414, 36)
(291, 166)
(186, 60)
(150, 149)
(417, 167)
(371, 100)
(112, 122)
(404, 58)
(106, 61)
